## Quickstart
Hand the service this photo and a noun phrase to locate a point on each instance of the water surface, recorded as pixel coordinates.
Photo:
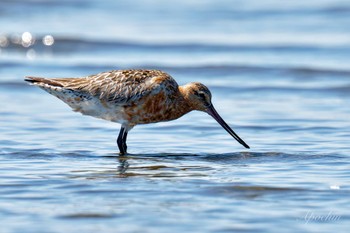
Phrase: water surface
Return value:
(279, 75)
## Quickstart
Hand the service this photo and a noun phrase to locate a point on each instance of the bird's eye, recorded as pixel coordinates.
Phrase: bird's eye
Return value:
(201, 95)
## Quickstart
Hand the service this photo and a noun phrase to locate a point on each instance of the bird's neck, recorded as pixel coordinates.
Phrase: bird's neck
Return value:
(183, 105)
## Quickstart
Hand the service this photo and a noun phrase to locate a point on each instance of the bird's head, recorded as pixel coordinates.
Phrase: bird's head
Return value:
(198, 98)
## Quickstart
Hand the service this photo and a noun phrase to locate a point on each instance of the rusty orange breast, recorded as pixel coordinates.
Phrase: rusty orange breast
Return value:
(155, 108)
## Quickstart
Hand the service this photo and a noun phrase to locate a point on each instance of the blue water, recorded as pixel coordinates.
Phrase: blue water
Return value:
(279, 74)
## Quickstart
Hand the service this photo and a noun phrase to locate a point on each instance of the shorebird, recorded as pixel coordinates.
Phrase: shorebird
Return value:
(132, 97)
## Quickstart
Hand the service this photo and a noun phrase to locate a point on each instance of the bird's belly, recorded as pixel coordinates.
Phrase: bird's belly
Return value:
(99, 109)
(150, 109)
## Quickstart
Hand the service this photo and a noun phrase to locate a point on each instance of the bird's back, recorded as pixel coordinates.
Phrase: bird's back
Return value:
(104, 95)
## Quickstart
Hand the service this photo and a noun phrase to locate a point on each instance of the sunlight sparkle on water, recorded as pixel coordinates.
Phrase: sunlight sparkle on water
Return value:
(27, 39)
(3, 41)
(48, 40)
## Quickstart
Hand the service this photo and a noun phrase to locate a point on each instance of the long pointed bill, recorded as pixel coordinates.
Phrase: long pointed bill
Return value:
(212, 112)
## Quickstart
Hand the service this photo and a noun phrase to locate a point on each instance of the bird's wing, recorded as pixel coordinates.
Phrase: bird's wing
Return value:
(122, 86)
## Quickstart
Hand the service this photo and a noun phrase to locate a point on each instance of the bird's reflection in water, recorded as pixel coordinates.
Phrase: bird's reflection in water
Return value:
(161, 165)
(123, 166)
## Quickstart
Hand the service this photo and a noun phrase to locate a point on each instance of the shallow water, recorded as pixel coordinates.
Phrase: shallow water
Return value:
(279, 74)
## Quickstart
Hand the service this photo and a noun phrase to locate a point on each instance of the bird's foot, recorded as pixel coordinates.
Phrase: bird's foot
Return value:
(122, 149)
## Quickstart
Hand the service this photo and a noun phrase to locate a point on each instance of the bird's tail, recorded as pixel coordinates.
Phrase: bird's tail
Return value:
(42, 81)
(56, 88)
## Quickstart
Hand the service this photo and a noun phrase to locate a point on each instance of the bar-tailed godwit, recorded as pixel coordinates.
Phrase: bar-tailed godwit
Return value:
(132, 97)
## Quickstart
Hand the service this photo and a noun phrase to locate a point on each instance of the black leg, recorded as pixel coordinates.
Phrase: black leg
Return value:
(124, 140)
(121, 141)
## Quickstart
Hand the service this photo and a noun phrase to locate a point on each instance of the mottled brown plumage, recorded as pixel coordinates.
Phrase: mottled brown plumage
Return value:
(131, 97)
